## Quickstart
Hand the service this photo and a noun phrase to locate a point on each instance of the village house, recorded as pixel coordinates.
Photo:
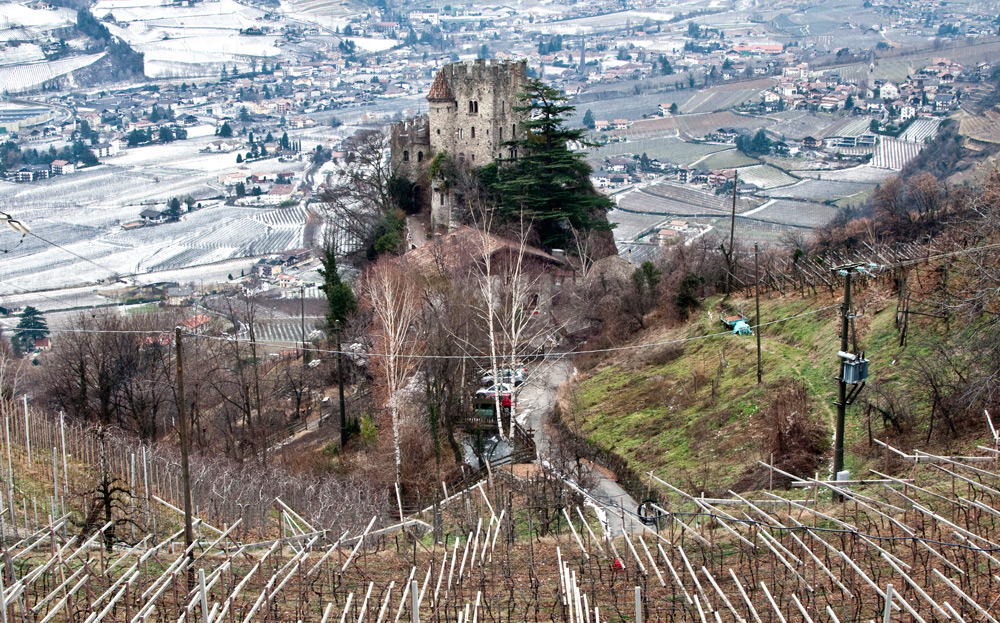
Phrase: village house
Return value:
(62, 167)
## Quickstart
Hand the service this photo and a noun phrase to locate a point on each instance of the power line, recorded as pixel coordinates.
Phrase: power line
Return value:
(296, 343)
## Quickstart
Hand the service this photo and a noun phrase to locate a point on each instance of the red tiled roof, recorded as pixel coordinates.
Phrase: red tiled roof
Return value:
(440, 90)
(196, 321)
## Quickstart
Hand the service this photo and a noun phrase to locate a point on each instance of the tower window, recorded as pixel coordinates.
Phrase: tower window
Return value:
(406, 156)
(439, 131)
(500, 136)
(420, 156)
(461, 133)
(473, 131)
(472, 157)
(473, 107)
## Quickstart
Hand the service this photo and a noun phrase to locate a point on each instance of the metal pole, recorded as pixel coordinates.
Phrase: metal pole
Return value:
(204, 596)
(185, 473)
(62, 431)
(27, 430)
(838, 440)
(638, 605)
(340, 383)
(414, 603)
(302, 316)
(756, 289)
(888, 603)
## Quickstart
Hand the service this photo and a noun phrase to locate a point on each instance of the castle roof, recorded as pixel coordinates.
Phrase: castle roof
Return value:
(440, 90)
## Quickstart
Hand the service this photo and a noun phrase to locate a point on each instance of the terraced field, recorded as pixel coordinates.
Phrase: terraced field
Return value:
(797, 213)
(985, 127)
(728, 159)
(697, 126)
(667, 149)
(848, 126)
(765, 176)
(819, 190)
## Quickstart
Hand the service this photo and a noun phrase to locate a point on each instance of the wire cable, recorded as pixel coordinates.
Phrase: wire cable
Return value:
(298, 343)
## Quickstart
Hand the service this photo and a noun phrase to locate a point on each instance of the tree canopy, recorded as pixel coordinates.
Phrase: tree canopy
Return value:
(545, 180)
(340, 299)
(32, 326)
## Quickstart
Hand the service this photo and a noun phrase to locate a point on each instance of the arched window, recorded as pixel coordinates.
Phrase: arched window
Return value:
(500, 136)
(461, 156)
(473, 131)
(472, 157)
(473, 107)
(420, 156)
(406, 156)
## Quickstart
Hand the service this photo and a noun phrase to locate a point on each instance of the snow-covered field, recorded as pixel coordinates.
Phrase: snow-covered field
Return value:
(23, 77)
(77, 220)
(188, 40)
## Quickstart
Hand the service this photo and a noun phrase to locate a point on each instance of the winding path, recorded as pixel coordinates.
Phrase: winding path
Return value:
(537, 397)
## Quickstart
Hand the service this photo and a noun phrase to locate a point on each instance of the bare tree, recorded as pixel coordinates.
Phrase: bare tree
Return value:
(512, 297)
(359, 192)
(395, 305)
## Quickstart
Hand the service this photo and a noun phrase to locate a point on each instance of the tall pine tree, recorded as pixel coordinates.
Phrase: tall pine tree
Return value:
(546, 180)
(340, 301)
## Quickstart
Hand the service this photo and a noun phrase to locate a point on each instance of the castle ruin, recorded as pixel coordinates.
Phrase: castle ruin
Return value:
(471, 116)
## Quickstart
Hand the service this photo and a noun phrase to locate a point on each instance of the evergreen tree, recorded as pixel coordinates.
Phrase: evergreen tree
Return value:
(588, 120)
(174, 208)
(340, 301)
(226, 131)
(547, 181)
(32, 326)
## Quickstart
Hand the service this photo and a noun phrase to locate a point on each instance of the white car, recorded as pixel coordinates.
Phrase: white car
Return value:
(492, 390)
(511, 377)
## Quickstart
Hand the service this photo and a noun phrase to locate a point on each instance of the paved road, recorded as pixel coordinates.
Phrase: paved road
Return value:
(416, 235)
(536, 400)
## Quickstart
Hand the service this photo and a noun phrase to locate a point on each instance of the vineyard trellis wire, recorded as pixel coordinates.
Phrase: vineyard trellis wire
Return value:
(515, 548)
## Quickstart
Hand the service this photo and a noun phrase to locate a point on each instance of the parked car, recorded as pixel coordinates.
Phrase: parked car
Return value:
(505, 390)
(512, 377)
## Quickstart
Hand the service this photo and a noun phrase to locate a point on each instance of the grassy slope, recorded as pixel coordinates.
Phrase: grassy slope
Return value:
(690, 412)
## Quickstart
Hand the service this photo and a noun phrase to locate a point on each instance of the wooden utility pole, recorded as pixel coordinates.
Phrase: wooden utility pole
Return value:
(340, 382)
(732, 232)
(185, 472)
(756, 289)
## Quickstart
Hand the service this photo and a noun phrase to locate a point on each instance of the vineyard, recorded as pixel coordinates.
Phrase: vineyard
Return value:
(893, 154)
(819, 190)
(921, 130)
(204, 236)
(765, 176)
(914, 541)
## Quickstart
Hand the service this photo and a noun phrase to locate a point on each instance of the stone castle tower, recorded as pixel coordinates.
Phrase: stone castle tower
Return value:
(471, 115)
